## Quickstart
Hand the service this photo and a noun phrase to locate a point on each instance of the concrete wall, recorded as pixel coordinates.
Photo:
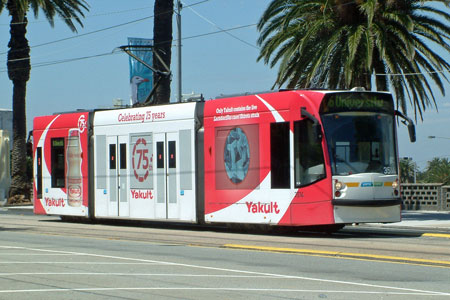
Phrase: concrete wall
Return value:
(425, 196)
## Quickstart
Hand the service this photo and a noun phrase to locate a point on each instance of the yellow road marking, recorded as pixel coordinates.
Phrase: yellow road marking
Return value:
(442, 235)
(341, 254)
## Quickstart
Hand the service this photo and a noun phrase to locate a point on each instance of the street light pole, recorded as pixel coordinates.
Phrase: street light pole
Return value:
(179, 6)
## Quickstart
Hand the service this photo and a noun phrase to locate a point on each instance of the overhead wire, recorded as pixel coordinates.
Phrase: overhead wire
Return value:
(49, 63)
(85, 17)
(80, 44)
(103, 29)
(221, 30)
(87, 33)
(55, 62)
(411, 74)
(218, 27)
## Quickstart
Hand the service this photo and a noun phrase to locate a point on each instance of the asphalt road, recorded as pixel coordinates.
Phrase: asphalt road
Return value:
(44, 258)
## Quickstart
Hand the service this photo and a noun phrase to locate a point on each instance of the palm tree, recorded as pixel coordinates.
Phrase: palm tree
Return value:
(162, 37)
(346, 43)
(19, 70)
(438, 170)
(408, 170)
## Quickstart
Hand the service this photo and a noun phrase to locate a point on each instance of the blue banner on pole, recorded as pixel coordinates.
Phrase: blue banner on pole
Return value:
(141, 77)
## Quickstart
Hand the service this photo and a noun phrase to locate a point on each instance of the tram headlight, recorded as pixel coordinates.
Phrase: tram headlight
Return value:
(338, 187)
(396, 186)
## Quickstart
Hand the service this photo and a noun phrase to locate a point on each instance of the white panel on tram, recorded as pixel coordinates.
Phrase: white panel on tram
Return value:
(158, 142)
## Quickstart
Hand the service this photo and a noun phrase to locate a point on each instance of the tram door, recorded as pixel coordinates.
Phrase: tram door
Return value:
(117, 176)
(167, 206)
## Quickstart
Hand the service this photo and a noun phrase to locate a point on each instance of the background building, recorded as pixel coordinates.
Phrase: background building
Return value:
(6, 116)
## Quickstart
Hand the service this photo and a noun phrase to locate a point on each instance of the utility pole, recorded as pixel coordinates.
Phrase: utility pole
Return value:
(179, 6)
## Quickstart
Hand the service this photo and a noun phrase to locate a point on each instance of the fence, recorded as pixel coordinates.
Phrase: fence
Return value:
(426, 196)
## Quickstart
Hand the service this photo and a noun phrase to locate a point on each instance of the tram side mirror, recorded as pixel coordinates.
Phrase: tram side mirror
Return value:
(408, 122)
(317, 131)
(316, 127)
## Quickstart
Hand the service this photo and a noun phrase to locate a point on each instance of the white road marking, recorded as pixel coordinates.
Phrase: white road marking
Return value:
(213, 289)
(77, 263)
(405, 291)
(34, 254)
(10, 247)
(135, 274)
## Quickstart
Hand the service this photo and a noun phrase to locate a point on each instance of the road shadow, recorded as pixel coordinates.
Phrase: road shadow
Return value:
(425, 216)
(13, 229)
(348, 232)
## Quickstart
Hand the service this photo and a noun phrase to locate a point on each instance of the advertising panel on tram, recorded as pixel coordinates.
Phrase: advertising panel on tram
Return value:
(60, 154)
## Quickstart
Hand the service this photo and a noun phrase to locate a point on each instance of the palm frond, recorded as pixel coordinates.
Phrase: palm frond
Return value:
(312, 45)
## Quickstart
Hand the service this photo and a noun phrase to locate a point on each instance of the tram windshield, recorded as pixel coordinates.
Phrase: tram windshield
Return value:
(360, 139)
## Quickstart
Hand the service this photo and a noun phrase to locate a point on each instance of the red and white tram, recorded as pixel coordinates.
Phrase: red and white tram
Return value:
(289, 158)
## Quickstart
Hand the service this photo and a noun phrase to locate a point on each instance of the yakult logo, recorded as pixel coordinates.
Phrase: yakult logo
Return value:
(75, 191)
(138, 194)
(81, 123)
(54, 202)
(263, 208)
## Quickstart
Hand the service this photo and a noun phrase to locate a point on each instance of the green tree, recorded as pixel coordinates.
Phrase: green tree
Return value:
(340, 44)
(19, 70)
(408, 170)
(162, 37)
(437, 171)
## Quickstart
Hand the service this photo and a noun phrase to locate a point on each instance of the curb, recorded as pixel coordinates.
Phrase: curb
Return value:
(25, 206)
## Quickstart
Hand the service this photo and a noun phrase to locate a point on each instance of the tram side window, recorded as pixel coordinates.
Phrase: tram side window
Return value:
(39, 172)
(58, 163)
(308, 153)
(112, 156)
(123, 156)
(279, 155)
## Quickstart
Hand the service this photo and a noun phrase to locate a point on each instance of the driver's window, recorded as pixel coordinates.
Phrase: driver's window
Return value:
(342, 151)
(309, 162)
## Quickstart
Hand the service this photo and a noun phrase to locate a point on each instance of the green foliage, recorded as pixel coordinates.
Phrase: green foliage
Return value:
(19, 67)
(340, 44)
(68, 10)
(437, 171)
(408, 170)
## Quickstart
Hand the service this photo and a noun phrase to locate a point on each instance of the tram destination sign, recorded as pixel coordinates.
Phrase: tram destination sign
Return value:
(361, 101)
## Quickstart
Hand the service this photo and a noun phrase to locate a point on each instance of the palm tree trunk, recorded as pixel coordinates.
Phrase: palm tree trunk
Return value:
(19, 72)
(162, 35)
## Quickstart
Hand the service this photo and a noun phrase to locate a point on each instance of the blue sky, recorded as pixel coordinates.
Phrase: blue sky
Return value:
(213, 64)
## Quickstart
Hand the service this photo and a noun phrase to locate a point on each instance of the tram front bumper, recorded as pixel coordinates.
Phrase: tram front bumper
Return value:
(350, 211)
